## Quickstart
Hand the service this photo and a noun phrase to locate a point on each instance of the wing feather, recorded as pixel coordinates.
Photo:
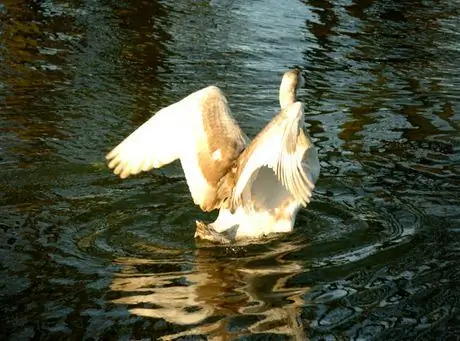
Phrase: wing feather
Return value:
(283, 147)
(152, 145)
(199, 130)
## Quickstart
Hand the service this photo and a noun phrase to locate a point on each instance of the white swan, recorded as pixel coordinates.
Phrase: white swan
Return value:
(258, 188)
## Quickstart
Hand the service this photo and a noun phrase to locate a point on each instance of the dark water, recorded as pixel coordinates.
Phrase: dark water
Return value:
(87, 256)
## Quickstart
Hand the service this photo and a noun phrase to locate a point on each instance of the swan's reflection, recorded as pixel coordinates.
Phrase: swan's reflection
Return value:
(226, 293)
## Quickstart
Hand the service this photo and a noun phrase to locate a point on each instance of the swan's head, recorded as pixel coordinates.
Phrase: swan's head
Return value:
(289, 85)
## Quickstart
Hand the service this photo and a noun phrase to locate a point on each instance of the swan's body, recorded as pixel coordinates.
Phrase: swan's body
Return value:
(258, 187)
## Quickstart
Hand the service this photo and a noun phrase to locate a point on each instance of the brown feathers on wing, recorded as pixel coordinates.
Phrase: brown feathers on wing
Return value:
(199, 130)
(277, 154)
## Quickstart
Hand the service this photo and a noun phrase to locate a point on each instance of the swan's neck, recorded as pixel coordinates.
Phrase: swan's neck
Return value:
(287, 96)
(288, 88)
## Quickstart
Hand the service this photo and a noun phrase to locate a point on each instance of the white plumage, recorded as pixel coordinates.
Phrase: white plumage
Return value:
(258, 187)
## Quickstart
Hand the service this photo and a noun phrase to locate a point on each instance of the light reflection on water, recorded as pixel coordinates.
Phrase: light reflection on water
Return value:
(85, 255)
(215, 294)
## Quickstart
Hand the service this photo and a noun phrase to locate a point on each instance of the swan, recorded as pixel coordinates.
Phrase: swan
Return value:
(258, 186)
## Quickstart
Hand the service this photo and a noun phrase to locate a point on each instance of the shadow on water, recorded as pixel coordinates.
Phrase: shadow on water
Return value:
(85, 255)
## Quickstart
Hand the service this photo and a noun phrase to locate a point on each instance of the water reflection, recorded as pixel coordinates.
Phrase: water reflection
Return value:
(225, 293)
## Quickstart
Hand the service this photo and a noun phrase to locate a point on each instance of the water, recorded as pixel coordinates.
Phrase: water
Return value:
(85, 255)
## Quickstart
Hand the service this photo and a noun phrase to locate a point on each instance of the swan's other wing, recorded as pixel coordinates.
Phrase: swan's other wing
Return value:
(280, 163)
(199, 130)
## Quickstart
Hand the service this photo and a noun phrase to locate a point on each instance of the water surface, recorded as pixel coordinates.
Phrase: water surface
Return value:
(87, 256)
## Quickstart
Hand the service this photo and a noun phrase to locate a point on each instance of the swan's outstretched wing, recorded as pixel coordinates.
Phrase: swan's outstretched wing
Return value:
(199, 130)
(280, 163)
